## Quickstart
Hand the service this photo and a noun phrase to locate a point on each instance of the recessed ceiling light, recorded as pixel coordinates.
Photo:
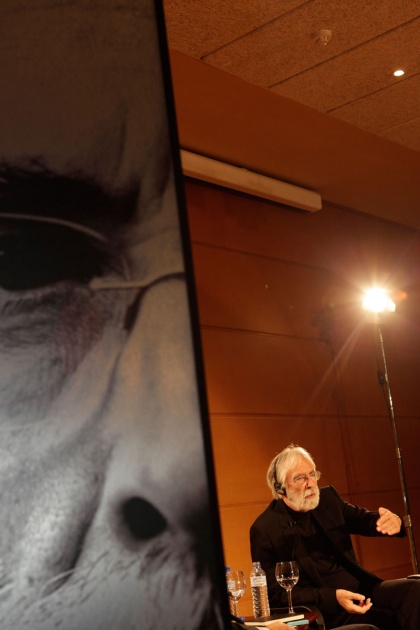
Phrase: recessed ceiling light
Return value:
(398, 73)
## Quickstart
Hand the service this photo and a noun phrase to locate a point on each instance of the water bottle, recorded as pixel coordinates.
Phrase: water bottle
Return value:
(259, 591)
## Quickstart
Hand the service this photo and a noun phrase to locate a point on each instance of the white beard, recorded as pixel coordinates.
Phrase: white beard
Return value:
(300, 503)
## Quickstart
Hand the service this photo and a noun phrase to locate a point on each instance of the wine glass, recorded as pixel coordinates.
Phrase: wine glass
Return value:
(236, 585)
(287, 575)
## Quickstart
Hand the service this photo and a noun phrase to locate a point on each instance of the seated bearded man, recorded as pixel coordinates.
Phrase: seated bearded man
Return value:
(313, 527)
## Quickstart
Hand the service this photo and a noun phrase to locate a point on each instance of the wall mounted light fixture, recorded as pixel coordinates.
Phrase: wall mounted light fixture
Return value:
(249, 182)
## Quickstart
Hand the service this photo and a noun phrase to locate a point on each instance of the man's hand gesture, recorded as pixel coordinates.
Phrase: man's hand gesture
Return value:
(354, 603)
(388, 522)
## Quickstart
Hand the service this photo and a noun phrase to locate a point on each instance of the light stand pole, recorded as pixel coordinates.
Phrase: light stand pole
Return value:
(384, 382)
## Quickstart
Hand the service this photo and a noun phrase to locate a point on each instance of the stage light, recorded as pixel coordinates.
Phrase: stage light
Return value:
(377, 300)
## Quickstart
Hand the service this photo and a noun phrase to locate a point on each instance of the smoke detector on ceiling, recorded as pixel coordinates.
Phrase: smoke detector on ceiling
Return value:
(323, 37)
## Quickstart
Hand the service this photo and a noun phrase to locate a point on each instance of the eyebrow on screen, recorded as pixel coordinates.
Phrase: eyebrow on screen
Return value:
(41, 193)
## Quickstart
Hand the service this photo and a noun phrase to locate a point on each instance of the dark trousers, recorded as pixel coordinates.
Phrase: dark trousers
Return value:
(396, 606)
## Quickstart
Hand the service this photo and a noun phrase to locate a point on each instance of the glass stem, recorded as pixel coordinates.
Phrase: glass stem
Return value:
(233, 607)
(289, 596)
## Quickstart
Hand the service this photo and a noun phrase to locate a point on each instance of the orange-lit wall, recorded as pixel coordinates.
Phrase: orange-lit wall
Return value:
(288, 357)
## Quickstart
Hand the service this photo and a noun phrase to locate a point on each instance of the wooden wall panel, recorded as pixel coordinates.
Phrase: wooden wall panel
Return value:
(289, 356)
(408, 432)
(357, 374)
(256, 373)
(414, 497)
(246, 444)
(357, 247)
(250, 292)
(377, 470)
(383, 554)
(404, 380)
(357, 360)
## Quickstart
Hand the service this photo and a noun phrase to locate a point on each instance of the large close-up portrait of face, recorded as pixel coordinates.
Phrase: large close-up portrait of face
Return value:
(105, 509)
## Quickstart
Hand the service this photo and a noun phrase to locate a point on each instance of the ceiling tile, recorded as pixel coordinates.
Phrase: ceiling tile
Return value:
(285, 47)
(407, 134)
(394, 105)
(196, 27)
(358, 72)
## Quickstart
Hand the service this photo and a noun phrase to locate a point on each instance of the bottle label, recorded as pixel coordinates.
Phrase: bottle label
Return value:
(230, 585)
(258, 580)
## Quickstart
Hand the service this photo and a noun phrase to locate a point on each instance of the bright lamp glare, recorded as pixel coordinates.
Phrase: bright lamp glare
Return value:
(378, 301)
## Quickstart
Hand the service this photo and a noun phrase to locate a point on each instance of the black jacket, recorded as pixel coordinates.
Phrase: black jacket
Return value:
(273, 538)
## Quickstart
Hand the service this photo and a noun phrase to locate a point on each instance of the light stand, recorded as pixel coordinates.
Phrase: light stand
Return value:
(377, 301)
(384, 382)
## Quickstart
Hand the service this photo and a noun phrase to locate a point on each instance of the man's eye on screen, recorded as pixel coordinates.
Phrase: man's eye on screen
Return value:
(56, 228)
(34, 255)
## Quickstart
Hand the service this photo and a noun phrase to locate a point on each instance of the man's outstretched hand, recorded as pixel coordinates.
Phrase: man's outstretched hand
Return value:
(388, 522)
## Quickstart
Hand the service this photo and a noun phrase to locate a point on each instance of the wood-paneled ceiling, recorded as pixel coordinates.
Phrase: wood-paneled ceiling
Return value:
(272, 43)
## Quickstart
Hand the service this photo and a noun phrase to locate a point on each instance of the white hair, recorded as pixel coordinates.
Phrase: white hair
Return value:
(281, 464)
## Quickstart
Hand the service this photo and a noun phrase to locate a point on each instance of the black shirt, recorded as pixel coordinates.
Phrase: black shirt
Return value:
(328, 563)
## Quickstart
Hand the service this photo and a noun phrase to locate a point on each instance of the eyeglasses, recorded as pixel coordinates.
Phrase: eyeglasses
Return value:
(16, 229)
(299, 480)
